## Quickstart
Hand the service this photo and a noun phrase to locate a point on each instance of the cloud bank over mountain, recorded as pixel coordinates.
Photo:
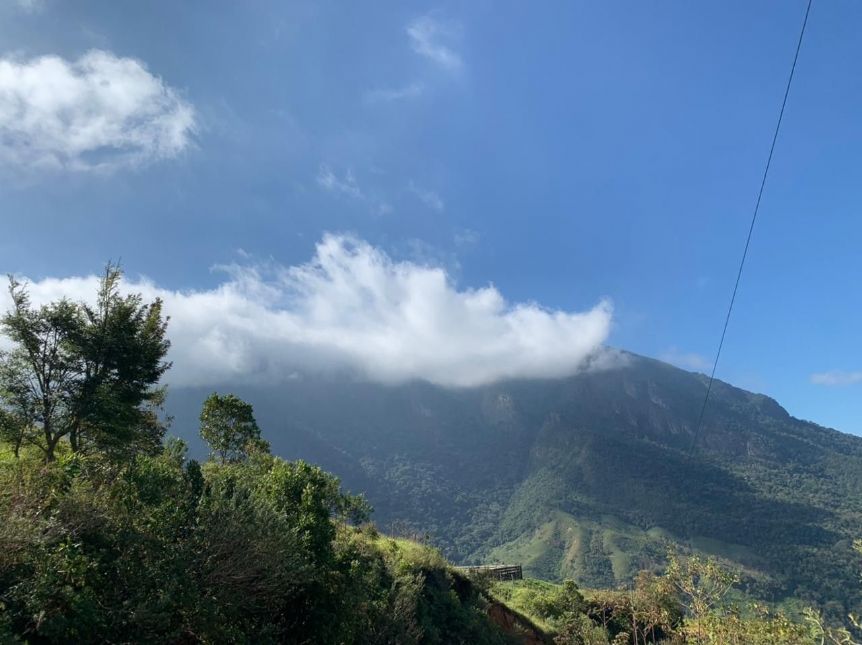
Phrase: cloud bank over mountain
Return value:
(353, 307)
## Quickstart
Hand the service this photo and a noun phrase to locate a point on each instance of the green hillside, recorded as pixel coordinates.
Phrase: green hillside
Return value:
(111, 533)
(589, 477)
(166, 551)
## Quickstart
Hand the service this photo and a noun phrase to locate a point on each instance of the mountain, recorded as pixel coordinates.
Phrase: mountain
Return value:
(588, 477)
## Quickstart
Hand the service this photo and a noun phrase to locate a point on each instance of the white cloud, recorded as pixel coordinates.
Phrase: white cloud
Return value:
(428, 38)
(686, 360)
(353, 307)
(98, 112)
(836, 378)
(411, 91)
(428, 197)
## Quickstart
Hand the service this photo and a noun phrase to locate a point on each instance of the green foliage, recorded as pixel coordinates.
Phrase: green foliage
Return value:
(405, 592)
(13, 429)
(229, 427)
(702, 583)
(161, 550)
(731, 628)
(109, 535)
(590, 477)
(580, 629)
(84, 374)
(548, 605)
(689, 604)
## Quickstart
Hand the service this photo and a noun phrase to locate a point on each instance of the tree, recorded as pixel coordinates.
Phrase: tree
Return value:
(17, 412)
(702, 583)
(12, 430)
(228, 426)
(655, 608)
(39, 373)
(85, 374)
(121, 345)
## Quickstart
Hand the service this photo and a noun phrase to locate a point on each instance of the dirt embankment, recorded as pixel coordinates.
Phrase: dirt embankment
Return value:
(514, 624)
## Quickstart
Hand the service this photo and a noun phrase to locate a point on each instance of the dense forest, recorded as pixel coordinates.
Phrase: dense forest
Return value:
(110, 532)
(588, 477)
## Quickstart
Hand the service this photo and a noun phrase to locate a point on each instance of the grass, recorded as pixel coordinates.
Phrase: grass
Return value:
(528, 597)
(405, 554)
(562, 547)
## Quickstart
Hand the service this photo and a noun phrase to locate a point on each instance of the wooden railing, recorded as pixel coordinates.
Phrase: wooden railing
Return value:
(495, 571)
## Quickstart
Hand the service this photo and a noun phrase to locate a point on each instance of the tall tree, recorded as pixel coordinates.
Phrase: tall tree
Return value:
(86, 374)
(229, 427)
(121, 347)
(40, 372)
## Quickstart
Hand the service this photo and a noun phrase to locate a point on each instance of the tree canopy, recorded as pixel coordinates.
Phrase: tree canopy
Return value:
(86, 373)
(229, 427)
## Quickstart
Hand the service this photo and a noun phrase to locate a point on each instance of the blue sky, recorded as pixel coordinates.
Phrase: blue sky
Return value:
(564, 153)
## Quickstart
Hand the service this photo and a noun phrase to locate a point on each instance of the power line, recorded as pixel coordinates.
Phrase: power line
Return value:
(699, 425)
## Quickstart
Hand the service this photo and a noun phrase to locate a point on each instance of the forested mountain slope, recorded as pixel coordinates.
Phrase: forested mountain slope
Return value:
(586, 477)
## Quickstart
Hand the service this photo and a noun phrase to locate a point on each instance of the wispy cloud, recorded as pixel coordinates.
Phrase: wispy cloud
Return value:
(428, 197)
(345, 185)
(836, 378)
(466, 237)
(432, 39)
(30, 6)
(686, 360)
(411, 91)
(99, 112)
(353, 307)
(348, 186)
